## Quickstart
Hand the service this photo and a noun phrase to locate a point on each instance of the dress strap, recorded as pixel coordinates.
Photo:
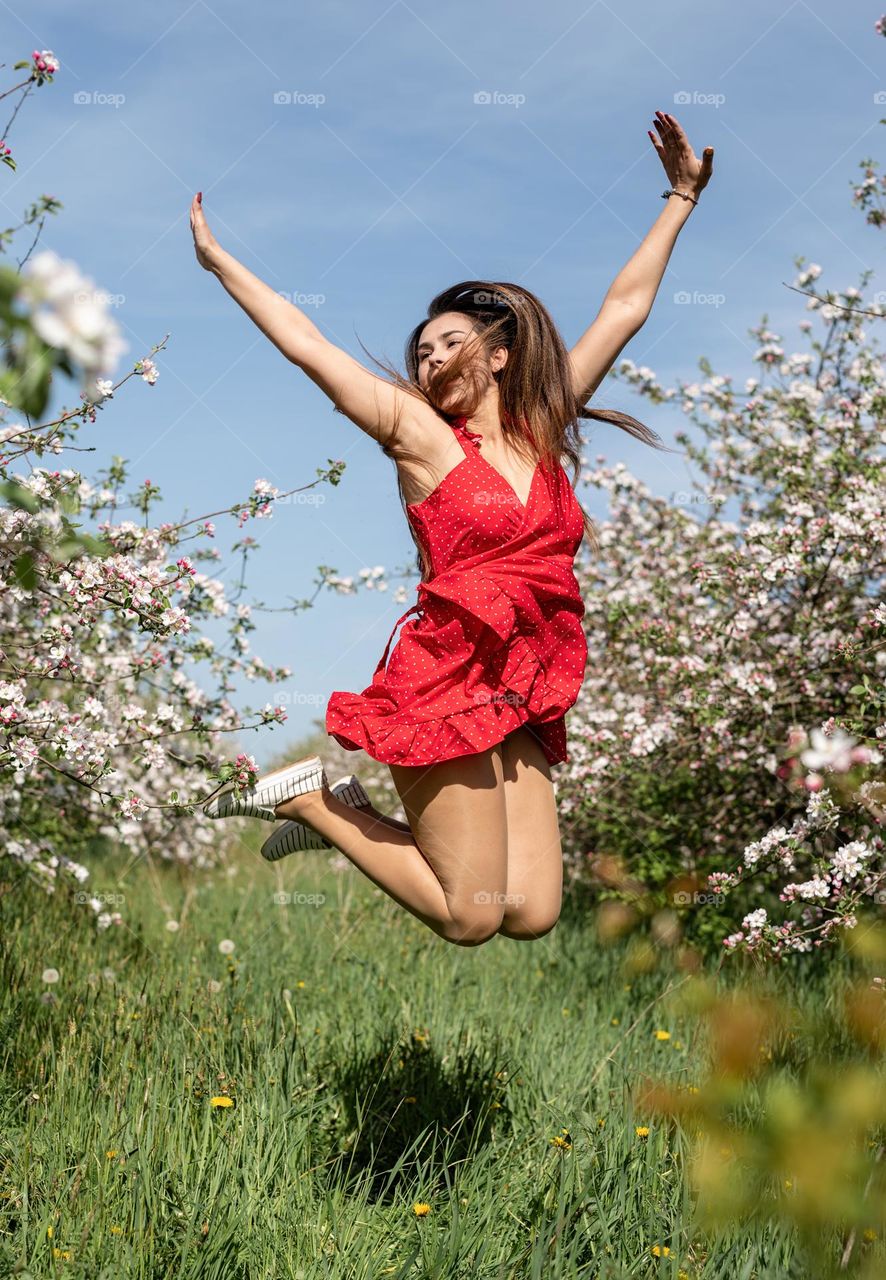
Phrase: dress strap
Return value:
(460, 425)
(475, 437)
(418, 607)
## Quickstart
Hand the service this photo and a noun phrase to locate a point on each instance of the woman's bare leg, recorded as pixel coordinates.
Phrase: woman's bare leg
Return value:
(535, 858)
(449, 869)
(384, 817)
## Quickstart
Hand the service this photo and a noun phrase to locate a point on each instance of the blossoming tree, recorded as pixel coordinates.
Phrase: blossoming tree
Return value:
(738, 634)
(115, 702)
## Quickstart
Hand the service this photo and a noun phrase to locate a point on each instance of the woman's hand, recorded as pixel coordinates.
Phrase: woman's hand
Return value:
(205, 244)
(684, 169)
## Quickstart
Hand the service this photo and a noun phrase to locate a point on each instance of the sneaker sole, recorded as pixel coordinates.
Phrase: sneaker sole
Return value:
(295, 837)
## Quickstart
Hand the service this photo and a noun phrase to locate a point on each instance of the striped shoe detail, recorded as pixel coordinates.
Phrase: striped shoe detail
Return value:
(269, 791)
(351, 791)
(296, 837)
(292, 837)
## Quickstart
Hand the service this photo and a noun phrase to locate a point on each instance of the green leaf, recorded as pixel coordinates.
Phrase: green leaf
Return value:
(64, 550)
(33, 376)
(25, 571)
(18, 495)
(68, 502)
(95, 546)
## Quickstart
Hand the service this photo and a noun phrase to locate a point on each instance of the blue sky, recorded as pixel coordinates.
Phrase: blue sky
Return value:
(383, 181)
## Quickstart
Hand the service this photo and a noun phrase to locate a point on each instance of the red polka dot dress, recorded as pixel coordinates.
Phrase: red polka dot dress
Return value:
(497, 641)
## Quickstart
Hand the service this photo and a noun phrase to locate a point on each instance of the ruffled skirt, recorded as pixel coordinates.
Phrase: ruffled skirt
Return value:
(483, 658)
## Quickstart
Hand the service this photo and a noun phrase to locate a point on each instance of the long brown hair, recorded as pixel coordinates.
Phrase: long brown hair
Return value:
(534, 386)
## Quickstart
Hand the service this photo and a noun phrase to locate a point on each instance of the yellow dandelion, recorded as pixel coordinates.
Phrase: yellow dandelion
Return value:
(869, 1234)
(660, 1251)
(692, 1088)
(601, 1122)
(116, 1231)
(50, 1232)
(299, 984)
(421, 1210)
(61, 1253)
(662, 1035)
(678, 1044)
(565, 1013)
(495, 1106)
(221, 1101)
(642, 1131)
(409, 1099)
(614, 1022)
(562, 1142)
(682, 1275)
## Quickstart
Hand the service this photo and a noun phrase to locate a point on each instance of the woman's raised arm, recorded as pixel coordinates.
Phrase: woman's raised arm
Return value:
(630, 297)
(372, 403)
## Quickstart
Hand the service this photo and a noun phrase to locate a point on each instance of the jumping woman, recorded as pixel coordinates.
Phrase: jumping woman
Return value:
(468, 709)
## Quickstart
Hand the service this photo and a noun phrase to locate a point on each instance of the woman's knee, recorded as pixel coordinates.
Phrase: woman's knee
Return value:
(527, 926)
(474, 923)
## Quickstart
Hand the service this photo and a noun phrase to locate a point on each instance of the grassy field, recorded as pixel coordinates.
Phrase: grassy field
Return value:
(290, 1108)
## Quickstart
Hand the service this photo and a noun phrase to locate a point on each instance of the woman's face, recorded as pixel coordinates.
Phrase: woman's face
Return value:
(438, 343)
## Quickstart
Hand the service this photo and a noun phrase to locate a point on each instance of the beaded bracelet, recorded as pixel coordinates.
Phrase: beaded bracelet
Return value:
(673, 192)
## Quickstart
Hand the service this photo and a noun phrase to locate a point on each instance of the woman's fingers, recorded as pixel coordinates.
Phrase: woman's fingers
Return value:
(198, 217)
(205, 242)
(664, 130)
(676, 153)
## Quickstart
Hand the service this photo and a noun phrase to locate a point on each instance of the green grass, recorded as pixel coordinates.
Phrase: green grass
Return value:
(372, 1066)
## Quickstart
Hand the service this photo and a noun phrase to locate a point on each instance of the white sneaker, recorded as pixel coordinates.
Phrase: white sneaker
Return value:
(296, 837)
(259, 801)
